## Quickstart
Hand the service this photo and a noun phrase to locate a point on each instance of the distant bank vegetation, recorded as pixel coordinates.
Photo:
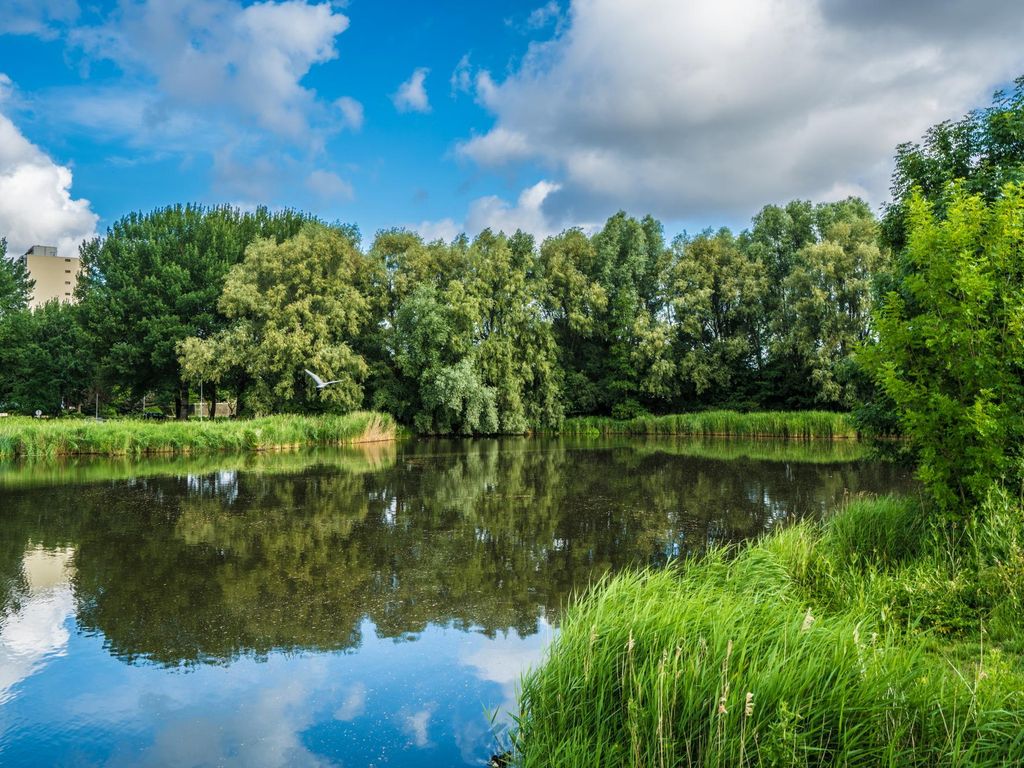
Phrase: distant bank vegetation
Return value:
(37, 438)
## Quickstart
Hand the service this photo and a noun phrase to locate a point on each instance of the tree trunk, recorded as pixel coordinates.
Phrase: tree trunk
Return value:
(181, 402)
(212, 408)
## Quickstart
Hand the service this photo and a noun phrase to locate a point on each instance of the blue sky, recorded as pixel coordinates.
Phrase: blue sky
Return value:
(446, 116)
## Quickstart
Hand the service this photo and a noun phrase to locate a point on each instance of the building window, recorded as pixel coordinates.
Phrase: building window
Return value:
(67, 282)
(67, 260)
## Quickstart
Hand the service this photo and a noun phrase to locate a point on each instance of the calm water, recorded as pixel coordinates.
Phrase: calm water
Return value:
(348, 607)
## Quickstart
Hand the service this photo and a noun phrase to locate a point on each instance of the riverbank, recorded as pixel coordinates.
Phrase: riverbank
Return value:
(37, 438)
(802, 425)
(868, 640)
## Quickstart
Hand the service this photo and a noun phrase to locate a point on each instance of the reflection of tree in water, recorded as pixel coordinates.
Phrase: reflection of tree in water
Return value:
(487, 534)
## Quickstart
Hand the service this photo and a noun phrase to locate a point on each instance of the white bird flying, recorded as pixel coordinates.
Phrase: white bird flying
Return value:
(320, 383)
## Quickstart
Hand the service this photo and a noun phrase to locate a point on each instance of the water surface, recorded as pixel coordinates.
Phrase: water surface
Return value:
(346, 607)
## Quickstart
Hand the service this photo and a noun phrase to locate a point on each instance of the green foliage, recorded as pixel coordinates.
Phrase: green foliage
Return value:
(155, 279)
(803, 425)
(36, 438)
(470, 349)
(984, 150)
(15, 284)
(717, 288)
(292, 305)
(830, 288)
(44, 360)
(822, 645)
(950, 345)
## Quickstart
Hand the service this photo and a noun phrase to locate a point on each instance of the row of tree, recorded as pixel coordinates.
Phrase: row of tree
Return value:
(493, 334)
(485, 335)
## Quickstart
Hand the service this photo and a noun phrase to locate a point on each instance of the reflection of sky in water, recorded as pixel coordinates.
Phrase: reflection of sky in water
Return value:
(36, 630)
(421, 702)
(149, 646)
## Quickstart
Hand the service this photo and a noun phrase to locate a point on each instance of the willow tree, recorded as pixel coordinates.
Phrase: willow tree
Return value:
(717, 290)
(291, 305)
(830, 292)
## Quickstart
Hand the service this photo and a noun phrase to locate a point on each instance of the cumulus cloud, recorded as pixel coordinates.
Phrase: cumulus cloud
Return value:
(541, 17)
(36, 17)
(36, 206)
(219, 55)
(411, 95)
(713, 107)
(526, 213)
(462, 76)
(443, 229)
(500, 215)
(329, 186)
(217, 77)
(351, 112)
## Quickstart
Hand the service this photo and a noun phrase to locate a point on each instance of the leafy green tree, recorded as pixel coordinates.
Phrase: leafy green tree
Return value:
(574, 302)
(15, 284)
(292, 305)
(950, 351)
(830, 290)
(717, 289)
(631, 259)
(44, 359)
(515, 349)
(984, 149)
(155, 280)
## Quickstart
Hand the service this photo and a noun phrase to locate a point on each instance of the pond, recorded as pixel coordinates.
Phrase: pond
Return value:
(357, 607)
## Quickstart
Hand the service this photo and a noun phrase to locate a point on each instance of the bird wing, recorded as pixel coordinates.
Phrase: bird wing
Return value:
(319, 382)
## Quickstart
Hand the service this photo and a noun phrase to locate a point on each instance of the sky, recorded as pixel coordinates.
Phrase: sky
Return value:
(452, 116)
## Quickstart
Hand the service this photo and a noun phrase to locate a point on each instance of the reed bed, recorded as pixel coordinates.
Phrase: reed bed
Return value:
(818, 646)
(37, 438)
(801, 425)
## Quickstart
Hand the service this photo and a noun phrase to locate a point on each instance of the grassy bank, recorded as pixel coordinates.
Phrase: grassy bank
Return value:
(35, 438)
(804, 425)
(869, 640)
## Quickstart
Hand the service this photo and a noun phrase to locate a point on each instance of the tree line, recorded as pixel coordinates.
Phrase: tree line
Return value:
(498, 333)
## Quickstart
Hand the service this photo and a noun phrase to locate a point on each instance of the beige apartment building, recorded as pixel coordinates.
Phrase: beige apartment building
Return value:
(55, 276)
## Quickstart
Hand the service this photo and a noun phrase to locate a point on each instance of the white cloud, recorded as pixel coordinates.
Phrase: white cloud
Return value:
(541, 17)
(351, 112)
(526, 214)
(36, 206)
(496, 213)
(712, 108)
(246, 61)
(329, 186)
(442, 229)
(462, 79)
(36, 17)
(411, 95)
(220, 78)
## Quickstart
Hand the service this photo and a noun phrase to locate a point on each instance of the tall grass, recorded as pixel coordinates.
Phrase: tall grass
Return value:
(34, 438)
(804, 425)
(797, 651)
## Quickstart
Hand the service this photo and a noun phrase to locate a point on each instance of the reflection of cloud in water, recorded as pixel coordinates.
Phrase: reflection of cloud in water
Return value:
(416, 726)
(505, 658)
(35, 632)
(354, 704)
(265, 728)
